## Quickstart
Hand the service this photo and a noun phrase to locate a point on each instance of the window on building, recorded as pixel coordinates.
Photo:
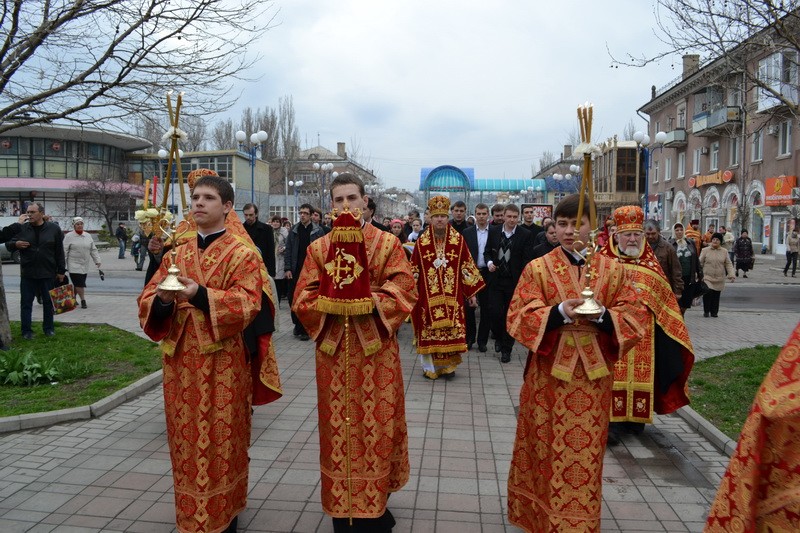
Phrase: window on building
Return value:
(655, 171)
(682, 116)
(681, 170)
(757, 152)
(696, 161)
(778, 74)
(785, 138)
(733, 152)
(714, 163)
(668, 169)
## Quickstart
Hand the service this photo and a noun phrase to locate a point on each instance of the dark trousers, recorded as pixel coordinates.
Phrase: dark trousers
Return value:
(483, 326)
(280, 285)
(791, 259)
(711, 302)
(28, 288)
(298, 326)
(500, 294)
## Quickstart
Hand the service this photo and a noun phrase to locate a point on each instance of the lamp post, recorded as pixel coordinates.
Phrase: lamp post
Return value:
(257, 141)
(296, 185)
(642, 140)
(660, 138)
(324, 170)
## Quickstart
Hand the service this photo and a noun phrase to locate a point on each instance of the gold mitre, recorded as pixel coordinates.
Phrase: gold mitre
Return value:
(439, 205)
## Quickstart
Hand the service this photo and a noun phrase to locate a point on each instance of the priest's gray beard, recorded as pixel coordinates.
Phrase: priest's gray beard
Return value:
(631, 251)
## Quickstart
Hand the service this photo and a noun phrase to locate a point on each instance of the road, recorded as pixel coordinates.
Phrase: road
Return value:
(739, 296)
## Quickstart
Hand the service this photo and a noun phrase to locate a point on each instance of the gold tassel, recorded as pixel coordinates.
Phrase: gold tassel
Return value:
(347, 235)
(363, 306)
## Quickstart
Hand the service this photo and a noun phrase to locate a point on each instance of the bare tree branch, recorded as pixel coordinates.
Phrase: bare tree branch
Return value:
(108, 60)
(104, 196)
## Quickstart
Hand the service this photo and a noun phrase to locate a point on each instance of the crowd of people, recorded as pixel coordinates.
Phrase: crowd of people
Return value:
(592, 372)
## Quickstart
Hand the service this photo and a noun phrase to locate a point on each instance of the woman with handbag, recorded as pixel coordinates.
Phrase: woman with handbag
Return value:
(79, 249)
(691, 272)
(716, 267)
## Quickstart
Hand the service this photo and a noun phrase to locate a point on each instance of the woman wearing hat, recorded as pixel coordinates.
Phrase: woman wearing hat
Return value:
(716, 267)
(691, 272)
(79, 249)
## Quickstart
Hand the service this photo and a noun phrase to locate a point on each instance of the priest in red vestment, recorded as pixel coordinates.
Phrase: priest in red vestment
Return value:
(555, 479)
(761, 488)
(446, 278)
(208, 381)
(652, 376)
(354, 292)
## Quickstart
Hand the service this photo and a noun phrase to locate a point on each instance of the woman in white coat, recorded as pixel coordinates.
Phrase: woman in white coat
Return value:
(79, 250)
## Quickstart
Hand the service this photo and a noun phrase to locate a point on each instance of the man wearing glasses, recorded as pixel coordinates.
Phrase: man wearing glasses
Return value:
(41, 254)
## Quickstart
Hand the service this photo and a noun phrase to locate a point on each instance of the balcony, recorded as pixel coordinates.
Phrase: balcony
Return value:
(716, 122)
(616, 198)
(676, 138)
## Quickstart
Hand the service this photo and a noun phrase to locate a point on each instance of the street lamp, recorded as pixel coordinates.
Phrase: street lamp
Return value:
(324, 170)
(257, 141)
(642, 140)
(296, 185)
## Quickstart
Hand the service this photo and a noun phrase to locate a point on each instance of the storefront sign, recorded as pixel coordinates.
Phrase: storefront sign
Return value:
(710, 179)
(779, 190)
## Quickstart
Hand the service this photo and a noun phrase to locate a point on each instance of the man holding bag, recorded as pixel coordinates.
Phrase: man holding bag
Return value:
(41, 254)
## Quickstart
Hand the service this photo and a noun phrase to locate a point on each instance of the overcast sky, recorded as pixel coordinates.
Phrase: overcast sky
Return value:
(420, 83)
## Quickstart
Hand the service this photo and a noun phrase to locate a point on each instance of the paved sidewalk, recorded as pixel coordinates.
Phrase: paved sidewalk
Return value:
(113, 473)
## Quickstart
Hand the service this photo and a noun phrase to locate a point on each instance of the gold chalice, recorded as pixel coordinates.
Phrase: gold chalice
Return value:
(171, 282)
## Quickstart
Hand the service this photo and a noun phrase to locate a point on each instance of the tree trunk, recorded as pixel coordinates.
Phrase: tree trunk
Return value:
(5, 328)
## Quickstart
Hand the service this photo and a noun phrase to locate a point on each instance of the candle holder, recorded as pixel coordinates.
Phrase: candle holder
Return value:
(171, 282)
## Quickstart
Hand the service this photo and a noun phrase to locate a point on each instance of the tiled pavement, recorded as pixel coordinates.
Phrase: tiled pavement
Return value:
(113, 473)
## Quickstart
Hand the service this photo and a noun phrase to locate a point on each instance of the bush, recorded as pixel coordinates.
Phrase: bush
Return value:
(25, 370)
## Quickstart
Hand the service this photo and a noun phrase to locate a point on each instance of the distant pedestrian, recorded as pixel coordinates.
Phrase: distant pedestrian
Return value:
(743, 251)
(792, 249)
(122, 239)
(397, 229)
(41, 251)
(79, 250)
(300, 236)
(716, 266)
(279, 236)
(690, 266)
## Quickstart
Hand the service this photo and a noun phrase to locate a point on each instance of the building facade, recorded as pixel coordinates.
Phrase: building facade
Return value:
(730, 153)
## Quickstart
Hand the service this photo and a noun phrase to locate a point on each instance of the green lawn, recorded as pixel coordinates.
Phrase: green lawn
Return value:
(722, 388)
(92, 360)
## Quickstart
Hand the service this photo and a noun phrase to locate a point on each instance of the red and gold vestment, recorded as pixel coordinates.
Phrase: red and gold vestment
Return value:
(208, 379)
(636, 395)
(761, 488)
(378, 447)
(446, 276)
(555, 479)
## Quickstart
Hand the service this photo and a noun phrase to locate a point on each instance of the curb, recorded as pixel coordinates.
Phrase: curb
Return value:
(9, 424)
(720, 440)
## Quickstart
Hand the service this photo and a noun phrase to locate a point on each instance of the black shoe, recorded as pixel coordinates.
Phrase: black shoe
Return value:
(27, 336)
(705, 315)
(138, 269)
(83, 304)
(613, 439)
(233, 525)
(506, 357)
(50, 333)
(737, 273)
(497, 347)
(714, 316)
(469, 346)
(482, 348)
(304, 337)
(744, 275)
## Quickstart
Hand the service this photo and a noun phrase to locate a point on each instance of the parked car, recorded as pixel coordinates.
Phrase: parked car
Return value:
(5, 255)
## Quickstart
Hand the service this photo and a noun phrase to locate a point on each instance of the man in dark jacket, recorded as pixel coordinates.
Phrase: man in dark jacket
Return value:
(300, 236)
(459, 212)
(508, 250)
(476, 238)
(122, 238)
(263, 236)
(41, 253)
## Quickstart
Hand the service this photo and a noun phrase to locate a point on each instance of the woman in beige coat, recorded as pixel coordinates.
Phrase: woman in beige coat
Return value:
(79, 249)
(716, 266)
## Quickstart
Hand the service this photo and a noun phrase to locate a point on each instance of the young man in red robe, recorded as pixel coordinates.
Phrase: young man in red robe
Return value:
(209, 380)
(555, 479)
(447, 280)
(652, 376)
(354, 292)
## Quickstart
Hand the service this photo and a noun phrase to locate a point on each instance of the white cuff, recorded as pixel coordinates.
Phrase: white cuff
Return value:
(567, 320)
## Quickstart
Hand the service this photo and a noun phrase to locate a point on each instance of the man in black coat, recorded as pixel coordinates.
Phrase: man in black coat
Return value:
(528, 223)
(459, 212)
(262, 234)
(477, 237)
(300, 236)
(41, 253)
(508, 250)
(369, 213)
